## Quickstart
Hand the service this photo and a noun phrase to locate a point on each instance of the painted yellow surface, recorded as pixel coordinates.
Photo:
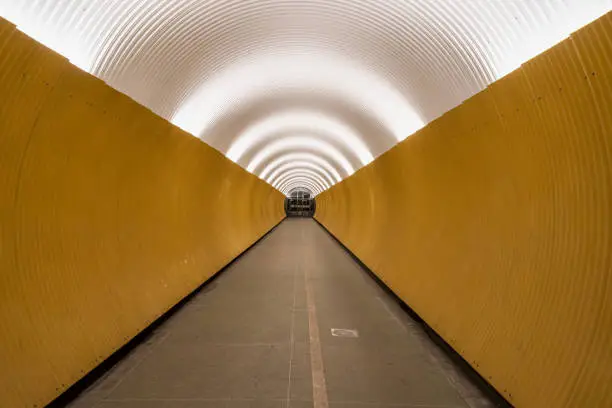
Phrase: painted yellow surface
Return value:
(494, 223)
(109, 215)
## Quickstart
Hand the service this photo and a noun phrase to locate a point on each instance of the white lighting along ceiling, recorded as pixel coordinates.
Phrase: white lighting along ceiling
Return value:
(300, 92)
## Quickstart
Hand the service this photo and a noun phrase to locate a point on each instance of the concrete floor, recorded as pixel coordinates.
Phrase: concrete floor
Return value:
(260, 335)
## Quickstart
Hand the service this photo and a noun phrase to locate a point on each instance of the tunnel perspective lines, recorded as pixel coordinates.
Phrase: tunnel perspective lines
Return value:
(300, 178)
(400, 63)
(300, 182)
(510, 191)
(314, 123)
(314, 175)
(498, 209)
(303, 67)
(291, 179)
(133, 213)
(275, 167)
(284, 170)
(299, 143)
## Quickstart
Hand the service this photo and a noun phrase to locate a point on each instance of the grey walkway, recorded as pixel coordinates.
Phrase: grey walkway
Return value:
(249, 339)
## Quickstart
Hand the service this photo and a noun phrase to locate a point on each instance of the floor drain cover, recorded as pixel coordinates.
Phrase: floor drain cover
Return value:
(345, 333)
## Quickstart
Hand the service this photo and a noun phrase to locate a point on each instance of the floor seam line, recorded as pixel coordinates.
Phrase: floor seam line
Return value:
(136, 365)
(292, 337)
(319, 386)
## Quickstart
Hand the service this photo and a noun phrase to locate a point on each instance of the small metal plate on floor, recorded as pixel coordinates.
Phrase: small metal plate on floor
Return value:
(351, 333)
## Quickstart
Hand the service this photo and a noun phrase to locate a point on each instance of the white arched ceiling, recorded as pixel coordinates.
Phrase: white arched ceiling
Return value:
(247, 75)
(302, 142)
(315, 176)
(300, 182)
(300, 165)
(315, 123)
(276, 166)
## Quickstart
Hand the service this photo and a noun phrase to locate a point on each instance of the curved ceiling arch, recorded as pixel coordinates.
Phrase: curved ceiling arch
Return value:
(314, 156)
(301, 165)
(289, 150)
(295, 165)
(273, 168)
(298, 68)
(402, 63)
(296, 144)
(314, 179)
(248, 111)
(118, 38)
(301, 121)
(315, 176)
(324, 146)
(300, 182)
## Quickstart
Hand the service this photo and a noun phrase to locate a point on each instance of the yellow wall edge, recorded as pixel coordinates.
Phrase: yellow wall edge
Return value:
(494, 223)
(109, 215)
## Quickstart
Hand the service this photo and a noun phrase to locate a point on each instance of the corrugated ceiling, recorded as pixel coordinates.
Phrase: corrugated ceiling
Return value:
(333, 82)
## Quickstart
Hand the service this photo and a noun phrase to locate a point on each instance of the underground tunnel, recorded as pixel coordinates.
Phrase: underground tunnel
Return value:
(305, 204)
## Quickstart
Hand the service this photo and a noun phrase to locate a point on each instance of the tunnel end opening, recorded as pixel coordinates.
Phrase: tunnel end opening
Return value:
(300, 202)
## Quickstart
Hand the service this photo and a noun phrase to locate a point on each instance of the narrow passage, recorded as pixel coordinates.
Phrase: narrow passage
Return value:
(294, 323)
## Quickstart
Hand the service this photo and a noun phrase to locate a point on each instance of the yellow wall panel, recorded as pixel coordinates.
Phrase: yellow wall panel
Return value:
(109, 216)
(494, 223)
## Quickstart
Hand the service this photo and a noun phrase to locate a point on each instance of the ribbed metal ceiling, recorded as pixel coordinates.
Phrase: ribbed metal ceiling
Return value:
(332, 83)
